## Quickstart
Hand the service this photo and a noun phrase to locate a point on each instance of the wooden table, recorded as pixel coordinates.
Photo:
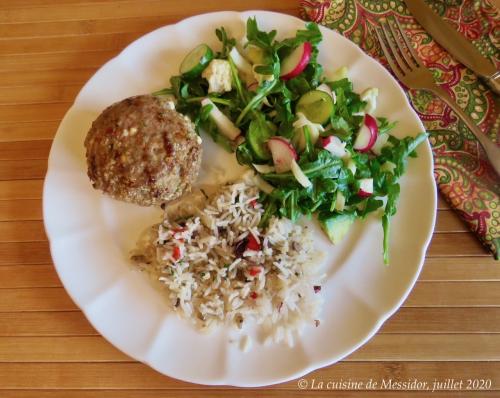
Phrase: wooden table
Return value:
(447, 329)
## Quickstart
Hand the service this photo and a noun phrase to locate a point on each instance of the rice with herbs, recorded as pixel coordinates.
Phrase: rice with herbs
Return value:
(218, 266)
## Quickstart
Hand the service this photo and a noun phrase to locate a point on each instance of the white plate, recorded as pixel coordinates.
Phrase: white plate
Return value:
(90, 234)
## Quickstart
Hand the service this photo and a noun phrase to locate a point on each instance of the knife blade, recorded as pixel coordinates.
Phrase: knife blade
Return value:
(452, 41)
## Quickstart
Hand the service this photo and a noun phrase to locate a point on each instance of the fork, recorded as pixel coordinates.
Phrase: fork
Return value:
(409, 69)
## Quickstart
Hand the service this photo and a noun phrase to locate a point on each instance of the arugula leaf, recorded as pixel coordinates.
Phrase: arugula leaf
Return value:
(283, 107)
(237, 81)
(384, 126)
(165, 91)
(390, 209)
(326, 165)
(270, 111)
(211, 129)
(309, 145)
(344, 84)
(401, 150)
(340, 127)
(311, 33)
(413, 143)
(258, 37)
(244, 154)
(298, 86)
(270, 207)
(176, 82)
(263, 90)
(398, 155)
(372, 204)
(205, 112)
(227, 43)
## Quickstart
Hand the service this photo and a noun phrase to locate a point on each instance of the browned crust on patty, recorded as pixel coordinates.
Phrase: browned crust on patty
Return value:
(141, 151)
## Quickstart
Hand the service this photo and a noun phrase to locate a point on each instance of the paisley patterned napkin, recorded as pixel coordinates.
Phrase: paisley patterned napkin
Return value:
(461, 170)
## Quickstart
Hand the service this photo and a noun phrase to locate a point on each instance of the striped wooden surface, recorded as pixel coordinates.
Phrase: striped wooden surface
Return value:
(448, 328)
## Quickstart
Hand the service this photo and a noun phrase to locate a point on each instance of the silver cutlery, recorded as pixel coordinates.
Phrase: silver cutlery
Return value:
(457, 45)
(409, 69)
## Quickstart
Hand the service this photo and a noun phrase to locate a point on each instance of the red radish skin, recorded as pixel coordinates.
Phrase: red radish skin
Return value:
(283, 153)
(297, 61)
(334, 145)
(367, 135)
(326, 141)
(365, 187)
(371, 122)
(253, 86)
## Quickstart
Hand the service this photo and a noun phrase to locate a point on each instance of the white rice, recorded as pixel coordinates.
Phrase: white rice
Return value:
(209, 282)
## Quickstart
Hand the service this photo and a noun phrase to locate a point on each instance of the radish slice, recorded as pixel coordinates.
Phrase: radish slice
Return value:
(380, 144)
(326, 88)
(242, 65)
(365, 187)
(223, 123)
(299, 175)
(296, 62)
(340, 201)
(334, 145)
(282, 152)
(264, 168)
(367, 134)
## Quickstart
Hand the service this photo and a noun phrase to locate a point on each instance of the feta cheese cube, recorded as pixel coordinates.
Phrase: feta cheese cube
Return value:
(218, 74)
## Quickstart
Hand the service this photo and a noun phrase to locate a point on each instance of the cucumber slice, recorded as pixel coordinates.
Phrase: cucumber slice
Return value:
(258, 134)
(196, 61)
(316, 105)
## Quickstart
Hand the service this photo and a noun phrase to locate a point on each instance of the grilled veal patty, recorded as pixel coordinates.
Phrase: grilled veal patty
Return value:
(142, 151)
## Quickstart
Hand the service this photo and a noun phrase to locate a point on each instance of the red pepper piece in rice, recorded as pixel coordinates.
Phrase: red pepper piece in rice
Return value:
(177, 253)
(253, 243)
(254, 270)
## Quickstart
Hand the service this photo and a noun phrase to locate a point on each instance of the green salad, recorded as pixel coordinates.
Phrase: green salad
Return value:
(311, 139)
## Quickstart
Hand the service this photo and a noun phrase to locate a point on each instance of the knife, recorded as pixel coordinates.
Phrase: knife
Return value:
(455, 43)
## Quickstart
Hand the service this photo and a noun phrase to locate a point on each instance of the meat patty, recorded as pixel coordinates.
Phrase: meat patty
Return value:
(141, 150)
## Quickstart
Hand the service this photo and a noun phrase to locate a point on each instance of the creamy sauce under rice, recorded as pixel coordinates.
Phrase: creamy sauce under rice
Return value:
(217, 266)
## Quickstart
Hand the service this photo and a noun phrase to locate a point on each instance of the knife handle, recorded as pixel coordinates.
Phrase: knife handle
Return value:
(494, 82)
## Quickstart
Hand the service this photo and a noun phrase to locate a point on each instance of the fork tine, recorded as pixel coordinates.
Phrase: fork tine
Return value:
(406, 55)
(414, 54)
(388, 54)
(394, 45)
